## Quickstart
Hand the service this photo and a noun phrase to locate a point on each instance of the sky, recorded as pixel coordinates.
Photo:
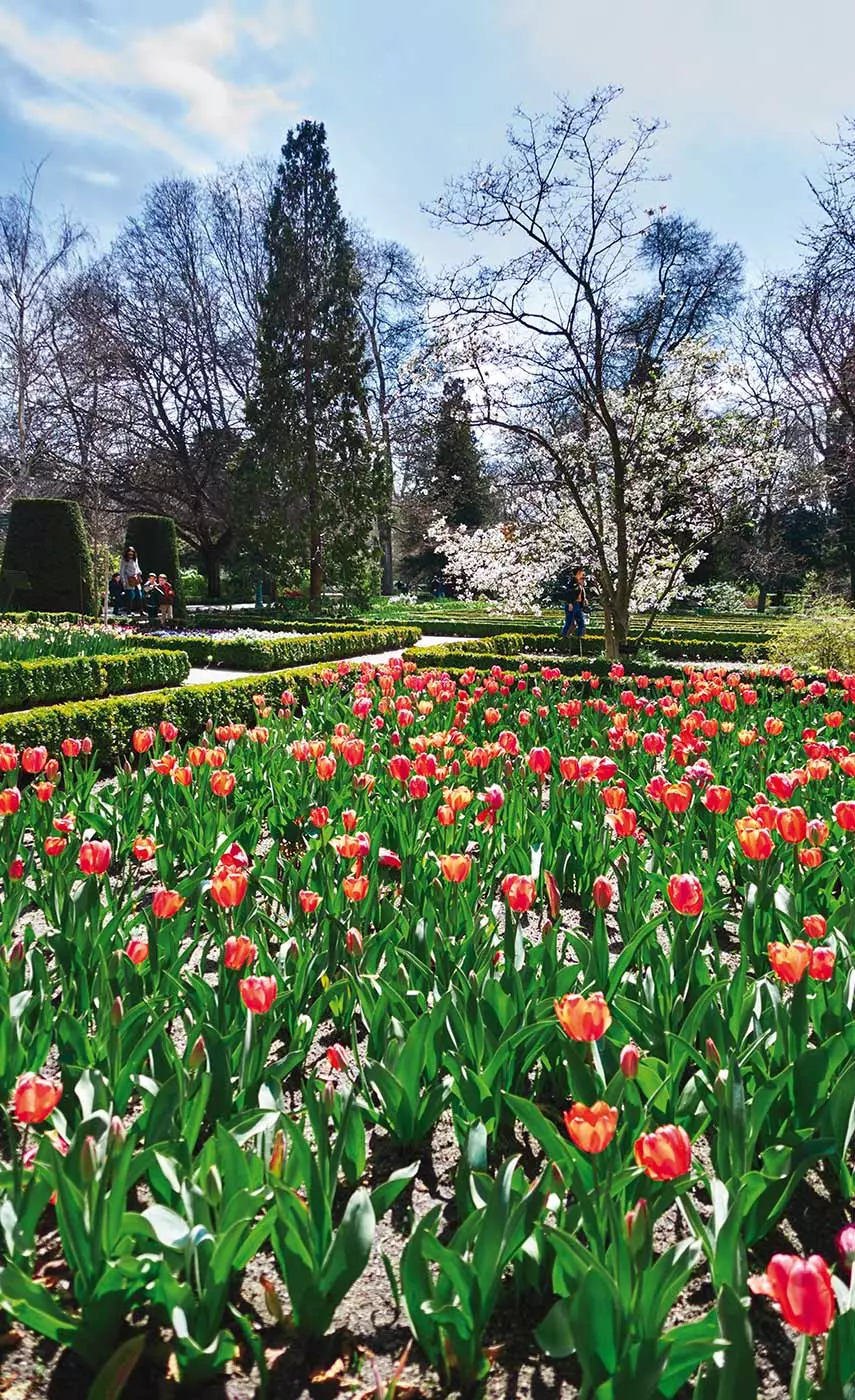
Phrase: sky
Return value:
(118, 93)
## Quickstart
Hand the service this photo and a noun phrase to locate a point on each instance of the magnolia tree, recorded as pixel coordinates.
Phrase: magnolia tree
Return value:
(635, 501)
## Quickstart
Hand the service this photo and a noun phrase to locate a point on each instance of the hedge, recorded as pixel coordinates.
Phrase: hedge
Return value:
(265, 622)
(676, 648)
(46, 540)
(53, 679)
(156, 543)
(454, 662)
(111, 722)
(271, 654)
(26, 618)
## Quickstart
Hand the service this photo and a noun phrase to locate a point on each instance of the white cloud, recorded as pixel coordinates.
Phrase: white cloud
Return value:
(97, 88)
(107, 178)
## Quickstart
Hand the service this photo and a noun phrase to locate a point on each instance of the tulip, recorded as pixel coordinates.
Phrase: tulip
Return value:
(844, 815)
(664, 1154)
(754, 839)
(624, 823)
(810, 857)
(355, 887)
(629, 1059)
(235, 858)
(182, 776)
(790, 961)
(677, 797)
(520, 891)
(198, 1053)
(390, 860)
(455, 867)
(802, 1289)
(34, 760)
(814, 925)
(144, 847)
(43, 791)
(319, 817)
(10, 801)
(309, 901)
(821, 966)
(846, 1244)
(142, 740)
(539, 761)
(353, 942)
(399, 768)
(165, 903)
(337, 1057)
(137, 949)
(35, 1098)
(54, 845)
(16, 868)
(228, 887)
(583, 1018)
(717, 799)
(258, 993)
(686, 894)
(591, 1129)
(418, 787)
(791, 824)
(168, 730)
(238, 952)
(94, 857)
(71, 748)
(222, 783)
(603, 892)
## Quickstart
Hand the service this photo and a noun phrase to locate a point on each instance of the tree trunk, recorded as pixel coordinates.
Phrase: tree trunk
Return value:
(762, 598)
(616, 616)
(384, 532)
(214, 573)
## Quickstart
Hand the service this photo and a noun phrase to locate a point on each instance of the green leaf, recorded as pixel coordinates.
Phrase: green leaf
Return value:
(554, 1336)
(168, 1228)
(116, 1371)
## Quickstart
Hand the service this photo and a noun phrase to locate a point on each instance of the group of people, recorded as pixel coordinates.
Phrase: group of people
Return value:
(129, 593)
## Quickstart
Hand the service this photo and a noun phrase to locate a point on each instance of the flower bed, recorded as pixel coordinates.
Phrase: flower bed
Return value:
(30, 641)
(357, 949)
(47, 681)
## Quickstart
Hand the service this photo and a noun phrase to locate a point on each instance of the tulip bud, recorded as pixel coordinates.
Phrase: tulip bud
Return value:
(272, 1301)
(291, 949)
(629, 1058)
(88, 1159)
(712, 1054)
(304, 1023)
(117, 1013)
(328, 1095)
(16, 952)
(353, 942)
(213, 1186)
(846, 1244)
(277, 1156)
(198, 1054)
(637, 1225)
(117, 1131)
(209, 725)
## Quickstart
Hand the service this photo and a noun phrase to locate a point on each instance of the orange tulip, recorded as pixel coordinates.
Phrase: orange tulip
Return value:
(165, 903)
(754, 839)
(583, 1018)
(677, 797)
(789, 960)
(664, 1154)
(228, 887)
(222, 783)
(137, 949)
(144, 847)
(55, 845)
(355, 887)
(238, 952)
(591, 1129)
(142, 740)
(455, 867)
(10, 801)
(258, 993)
(35, 1098)
(791, 823)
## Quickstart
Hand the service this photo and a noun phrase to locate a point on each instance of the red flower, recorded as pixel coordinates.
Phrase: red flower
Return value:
(144, 847)
(803, 1290)
(399, 768)
(844, 815)
(629, 1058)
(814, 925)
(717, 799)
(238, 952)
(665, 1153)
(790, 960)
(455, 867)
(94, 857)
(791, 823)
(16, 868)
(677, 797)
(539, 761)
(325, 767)
(71, 748)
(520, 891)
(35, 1098)
(389, 859)
(355, 887)
(235, 858)
(337, 1057)
(228, 887)
(591, 1129)
(168, 730)
(583, 1018)
(43, 791)
(165, 903)
(686, 894)
(309, 901)
(821, 966)
(142, 740)
(222, 783)
(319, 816)
(34, 760)
(55, 845)
(603, 892)
(10, 801)
(137, 949)
(258, 993)
(754, 839)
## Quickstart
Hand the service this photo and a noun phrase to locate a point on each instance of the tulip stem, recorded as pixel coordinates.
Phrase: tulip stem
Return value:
(797, 1391)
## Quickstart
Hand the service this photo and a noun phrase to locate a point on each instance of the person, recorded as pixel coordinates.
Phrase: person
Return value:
(576, 605)
(130, 574)
(117, 593)
(153, 596)
(167, 596)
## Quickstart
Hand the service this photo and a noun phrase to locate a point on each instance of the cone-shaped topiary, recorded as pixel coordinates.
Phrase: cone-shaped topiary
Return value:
(47, 547)
(156, 543)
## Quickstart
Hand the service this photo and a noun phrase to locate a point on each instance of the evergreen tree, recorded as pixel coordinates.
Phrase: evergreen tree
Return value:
(459, 488)
(308, 466)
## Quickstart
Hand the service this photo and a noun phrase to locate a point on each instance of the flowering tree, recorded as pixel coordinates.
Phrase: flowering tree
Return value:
(689, 459)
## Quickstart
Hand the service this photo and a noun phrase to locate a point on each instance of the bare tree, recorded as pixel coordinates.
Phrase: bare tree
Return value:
(33, 261)
(596, 291)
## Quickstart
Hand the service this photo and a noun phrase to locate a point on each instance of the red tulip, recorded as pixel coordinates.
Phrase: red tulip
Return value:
(717, 799)
(802, 1289)
(228, 887)
(520, 891)
(94, 857)
(844, 815)
(814, 925)
(399, 768)
(258, 993)
(10, 801)
(165, 903)
(222, 783)
(16, 868)
(603, 892)
(677, 797)
(665, 1153)
(55, 845)
(168, 730)
(34, 760)
(539, 761)
(144, 847)
(686, 894)
(583, 1018)
(591, 1129)
(35, 1098)
(309, 901)
(629, 1060)
(791, 823)
(137, 949)
(238, 952)
(319, 816)
(142, 740)
(821, 966)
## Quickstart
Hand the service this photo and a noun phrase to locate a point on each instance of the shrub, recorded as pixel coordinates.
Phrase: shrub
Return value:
(49, 680)
(46, 540)
(821, 637)
(156, 543)
(270, 654)
(194, 587)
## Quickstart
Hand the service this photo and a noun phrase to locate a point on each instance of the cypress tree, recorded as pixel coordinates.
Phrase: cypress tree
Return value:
(458, 488)
(309, 466)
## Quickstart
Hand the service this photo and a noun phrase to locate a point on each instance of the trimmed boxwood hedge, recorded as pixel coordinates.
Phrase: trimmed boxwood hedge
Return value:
(271, 654)
(24, 618)
(677, 648)
(46, 540)
(110, 723)
(52, 679)
(268, 622)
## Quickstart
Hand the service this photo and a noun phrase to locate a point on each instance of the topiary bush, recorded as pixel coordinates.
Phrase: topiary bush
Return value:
(156, 542)
(46, 541)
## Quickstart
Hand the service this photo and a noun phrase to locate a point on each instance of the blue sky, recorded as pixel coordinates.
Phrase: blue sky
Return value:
(117, 93)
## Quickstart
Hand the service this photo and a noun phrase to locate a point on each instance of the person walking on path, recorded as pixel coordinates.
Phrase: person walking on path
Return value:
(130, 574)
(575, 606)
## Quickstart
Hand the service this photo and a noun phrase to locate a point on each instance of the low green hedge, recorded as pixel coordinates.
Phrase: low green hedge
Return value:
(53, 679)
(26, 617)
(267, 621)
(110, 723)
(271, 654)
(674, 648)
